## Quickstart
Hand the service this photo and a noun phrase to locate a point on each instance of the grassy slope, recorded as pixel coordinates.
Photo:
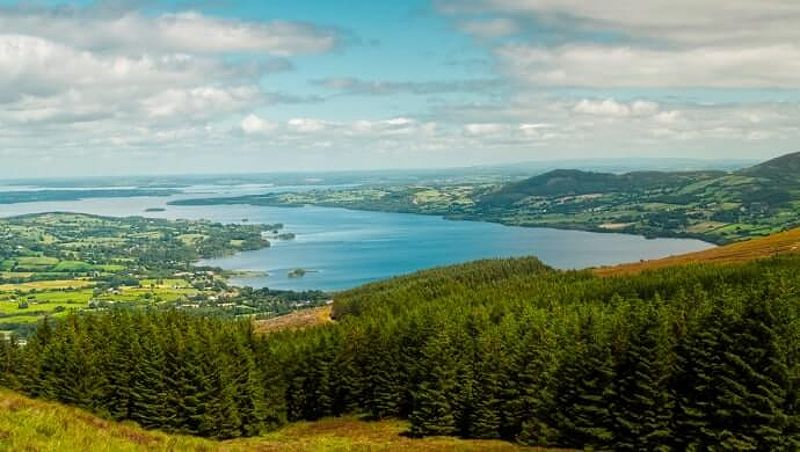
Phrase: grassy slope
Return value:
(784, 242)
(32, 425)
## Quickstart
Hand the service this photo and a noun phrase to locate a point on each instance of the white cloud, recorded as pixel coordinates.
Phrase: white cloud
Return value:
(398, 125)
(255, 125)
(38, 67)
(688, 22)
(200, 102)
(185, 32)
(607, 66)
(357, 129)
(307, 125)
(90, 82)
(355, 86)
(610, 107)
(645, 44)
(482, 129)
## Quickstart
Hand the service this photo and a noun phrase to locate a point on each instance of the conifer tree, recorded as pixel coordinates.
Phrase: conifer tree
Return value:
(641, 406)
(119, 366)
(317, 384)
(148, 388)
(273, 384)
(753, 383)
(248, 389)
(433, 414)
(581, 412)
(490, 360)
(529, 394)
(382, 382)
(9, 362)
(695, 380)
(346, 378)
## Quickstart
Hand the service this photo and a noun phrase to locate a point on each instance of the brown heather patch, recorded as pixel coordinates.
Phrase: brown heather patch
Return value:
(759, 248)
(12, 404)
(297, 320)
(91, 420)
(137, 436)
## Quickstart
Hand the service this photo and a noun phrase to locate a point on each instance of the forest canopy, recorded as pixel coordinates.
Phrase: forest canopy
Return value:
(679, 358)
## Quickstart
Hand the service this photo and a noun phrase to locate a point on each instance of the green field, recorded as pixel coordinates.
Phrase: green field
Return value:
(56, 262)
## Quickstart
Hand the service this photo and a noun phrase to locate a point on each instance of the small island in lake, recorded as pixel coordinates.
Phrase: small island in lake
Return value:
(155, 209)
(298, 273)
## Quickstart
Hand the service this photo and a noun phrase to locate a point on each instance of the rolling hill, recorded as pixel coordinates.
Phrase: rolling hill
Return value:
(715, 206)
(785, 168)
(559, 183)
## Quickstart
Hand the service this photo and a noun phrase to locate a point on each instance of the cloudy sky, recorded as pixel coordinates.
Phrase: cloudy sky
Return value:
(130, 87)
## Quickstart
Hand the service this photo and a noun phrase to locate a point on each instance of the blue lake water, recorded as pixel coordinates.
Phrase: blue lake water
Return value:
(342, 248)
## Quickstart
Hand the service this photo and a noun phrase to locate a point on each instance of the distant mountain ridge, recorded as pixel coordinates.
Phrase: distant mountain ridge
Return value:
(784, 168)
(576, 182)
(712, 205)
(570, 182)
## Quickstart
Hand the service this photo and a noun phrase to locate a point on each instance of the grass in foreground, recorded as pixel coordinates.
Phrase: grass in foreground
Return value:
(32, 425)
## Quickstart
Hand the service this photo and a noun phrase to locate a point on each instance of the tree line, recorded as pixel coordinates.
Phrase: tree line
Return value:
(686, 358)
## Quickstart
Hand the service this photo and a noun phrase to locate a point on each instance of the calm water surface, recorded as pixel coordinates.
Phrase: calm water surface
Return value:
(342, 248)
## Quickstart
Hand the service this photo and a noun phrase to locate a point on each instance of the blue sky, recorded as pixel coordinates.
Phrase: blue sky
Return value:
(120, 87)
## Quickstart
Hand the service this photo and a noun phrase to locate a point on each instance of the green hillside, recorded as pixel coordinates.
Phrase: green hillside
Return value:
(715, 206)
(576, 182)
(786, 167)
(682, 357)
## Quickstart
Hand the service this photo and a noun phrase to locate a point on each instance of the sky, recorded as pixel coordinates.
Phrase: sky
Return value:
(223, 86)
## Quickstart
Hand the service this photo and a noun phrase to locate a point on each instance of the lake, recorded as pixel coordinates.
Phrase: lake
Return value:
(341, 249)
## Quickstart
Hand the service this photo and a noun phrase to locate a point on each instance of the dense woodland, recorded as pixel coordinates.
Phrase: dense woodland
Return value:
(684, 358)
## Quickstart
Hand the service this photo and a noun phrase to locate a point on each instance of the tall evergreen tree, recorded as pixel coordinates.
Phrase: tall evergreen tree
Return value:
(581, 412)
(490, 359)
(148, 387)
(382, 382)
(753, 382)
(529, 390)
(695, 381)
(641, 406)
(433, 413)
